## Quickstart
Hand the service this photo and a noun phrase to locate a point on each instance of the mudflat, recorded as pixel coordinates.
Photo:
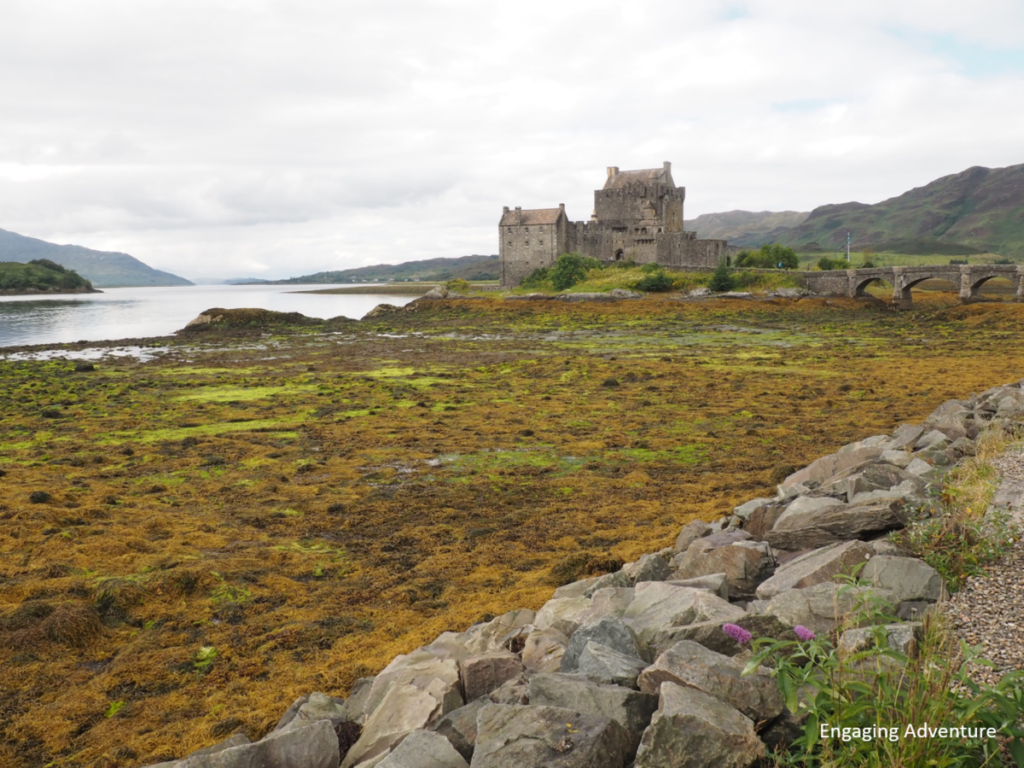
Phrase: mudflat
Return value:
(191, 541)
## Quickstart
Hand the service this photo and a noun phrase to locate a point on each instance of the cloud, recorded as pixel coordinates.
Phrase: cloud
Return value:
(226, 137)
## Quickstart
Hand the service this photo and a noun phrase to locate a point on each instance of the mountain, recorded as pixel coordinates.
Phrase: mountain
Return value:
(980, 210)
(429, 270)
(745, 227)
(103, 269)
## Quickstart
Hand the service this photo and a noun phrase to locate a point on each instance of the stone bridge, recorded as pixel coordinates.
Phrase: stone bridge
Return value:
(969, 277)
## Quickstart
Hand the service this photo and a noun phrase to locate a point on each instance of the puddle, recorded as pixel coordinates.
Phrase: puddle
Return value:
(143, 354)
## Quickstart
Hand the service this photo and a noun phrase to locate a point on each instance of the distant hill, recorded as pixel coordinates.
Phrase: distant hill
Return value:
(105, 269)
(745, 227)
(40, 276)
(980, 210)
(429, 270)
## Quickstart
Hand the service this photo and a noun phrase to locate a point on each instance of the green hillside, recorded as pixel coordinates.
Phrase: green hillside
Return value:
(428, 270)
(745, 228)
(40, 276)
(106, 269)
(980, 210)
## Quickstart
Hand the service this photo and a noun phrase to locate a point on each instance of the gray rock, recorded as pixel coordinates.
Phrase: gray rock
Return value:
(609, 632)
(611, 601)
(690, 664)
(744, 511)
(606, 665)
(622, 293)
(898, 458)
(459, 727)
(694, 730)
(828, 466)
(488, 636)
(711, 635)
(437, 292)
(424, 749)
(514, 691)
(744, 563)
(922, 469)
(648, 568)
(822, 607)
(907, 577)
(903, 637)
(693, 530)
(543, 650)
(933, 439)
(699, 293)
(715, 583)
(658, 605)
(803, 511)
(417, 692)
(587, 587)
(311, 746)
(874, 477)
(630, 709)
(482, 674)
(563, 614)
(548, 737)
(906, 435)
(816, 567)
(312, 707)
(841, 523)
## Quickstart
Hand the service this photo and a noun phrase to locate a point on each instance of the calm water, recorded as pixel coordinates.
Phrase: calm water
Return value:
(120, 313)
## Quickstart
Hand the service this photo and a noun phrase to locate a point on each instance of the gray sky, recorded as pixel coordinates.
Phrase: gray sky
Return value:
(268, 138)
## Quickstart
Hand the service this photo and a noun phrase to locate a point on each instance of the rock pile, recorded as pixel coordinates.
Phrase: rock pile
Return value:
(633, 667)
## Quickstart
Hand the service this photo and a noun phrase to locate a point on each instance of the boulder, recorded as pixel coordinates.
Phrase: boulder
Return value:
(482, 674)
(744, 563)
(424, 749)
(903, 637)
(932, 439)
(606, 665)
(563, 614)
(874, 477)
(906, 435)
(906, 577)
(609, 632)
(647, 568)
(897, 458)
(692, 531)
(437, 292)
(311, 746)
(514, 691)
(816, 567)
(543, 650)
(711, 635)
(310, 708)
(622, 293)
(412, 701)
(690, 664)
(715, 583)
(488, 636)
(459, 727)
(821, 607)
(827, 466)
(611, 601)
(744, 511)
(839, 523)
(548, 737)
(630, 709)
(692, 729)
(763, 519)
(803, 511)
(419, 669)
(587, 587)
(658, 605)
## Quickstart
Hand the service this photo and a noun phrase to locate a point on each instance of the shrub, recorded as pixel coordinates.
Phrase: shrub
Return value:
(721, 280)
(655, 282)
(881, 687)
(458, 285)
(537, 278)
(768, 257)
(826, 264)
(571, 268)
(652, 268)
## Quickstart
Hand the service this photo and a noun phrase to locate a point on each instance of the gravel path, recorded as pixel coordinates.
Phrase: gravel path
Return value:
(989, 611)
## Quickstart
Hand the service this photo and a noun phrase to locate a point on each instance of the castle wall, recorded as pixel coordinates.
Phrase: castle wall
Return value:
(526, 248)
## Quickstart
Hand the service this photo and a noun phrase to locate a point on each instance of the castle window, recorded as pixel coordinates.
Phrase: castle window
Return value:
(510, 242)
(541, 242)
(526, 230)
(527, 242)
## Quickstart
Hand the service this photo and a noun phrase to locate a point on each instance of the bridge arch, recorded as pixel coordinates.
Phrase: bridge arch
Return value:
(861, 284)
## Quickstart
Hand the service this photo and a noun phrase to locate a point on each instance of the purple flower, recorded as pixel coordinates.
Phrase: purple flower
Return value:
(737, 633)
(804, 633)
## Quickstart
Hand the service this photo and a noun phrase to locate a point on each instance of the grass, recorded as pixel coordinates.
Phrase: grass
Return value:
(169, 502)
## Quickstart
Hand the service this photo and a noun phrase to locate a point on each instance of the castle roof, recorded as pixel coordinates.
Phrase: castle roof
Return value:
(622, 179)
(533, 216)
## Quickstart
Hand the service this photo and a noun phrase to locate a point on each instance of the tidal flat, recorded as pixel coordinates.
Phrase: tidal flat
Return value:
(193, 538)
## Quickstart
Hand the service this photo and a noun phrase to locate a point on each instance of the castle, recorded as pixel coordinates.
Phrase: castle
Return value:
(638, 216)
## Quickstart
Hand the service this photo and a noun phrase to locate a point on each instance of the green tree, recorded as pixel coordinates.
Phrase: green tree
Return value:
(722, 279)
(571, 268)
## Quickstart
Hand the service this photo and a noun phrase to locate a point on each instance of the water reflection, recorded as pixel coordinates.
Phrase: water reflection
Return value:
(120, 313)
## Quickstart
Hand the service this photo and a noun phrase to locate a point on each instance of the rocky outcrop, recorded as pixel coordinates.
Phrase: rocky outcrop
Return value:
(637, 662)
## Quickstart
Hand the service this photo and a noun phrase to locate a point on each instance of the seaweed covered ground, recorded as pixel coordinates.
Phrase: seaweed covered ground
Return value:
(189, 542)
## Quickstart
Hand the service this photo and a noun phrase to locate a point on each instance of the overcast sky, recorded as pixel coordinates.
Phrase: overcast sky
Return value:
(230, 138)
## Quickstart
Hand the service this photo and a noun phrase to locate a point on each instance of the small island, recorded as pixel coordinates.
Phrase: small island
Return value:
(40, 276)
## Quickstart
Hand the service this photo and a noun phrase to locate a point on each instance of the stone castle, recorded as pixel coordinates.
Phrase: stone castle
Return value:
(638, 216)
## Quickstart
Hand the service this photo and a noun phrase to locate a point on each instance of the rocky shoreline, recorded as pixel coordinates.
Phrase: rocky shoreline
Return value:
(633, 668)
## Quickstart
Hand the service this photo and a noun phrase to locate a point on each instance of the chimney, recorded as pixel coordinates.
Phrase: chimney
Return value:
(561, 207)
(519, 214)
(668, 167)
(505, 209)
(612, 171)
